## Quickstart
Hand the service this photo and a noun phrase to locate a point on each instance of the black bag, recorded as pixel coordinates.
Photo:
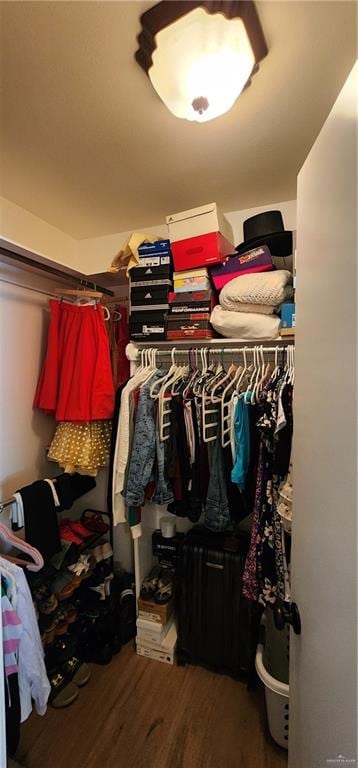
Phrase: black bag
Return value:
(217, 625)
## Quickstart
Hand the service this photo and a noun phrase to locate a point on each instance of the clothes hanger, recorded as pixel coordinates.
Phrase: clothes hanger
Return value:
(163, 379)
(247, 395)
(227, 412)
(228, 376)
(8, 537)
(194, 373)
(78, 292)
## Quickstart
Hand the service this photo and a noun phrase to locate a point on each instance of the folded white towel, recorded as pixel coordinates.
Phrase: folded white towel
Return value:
(265, 288)
(244, 325)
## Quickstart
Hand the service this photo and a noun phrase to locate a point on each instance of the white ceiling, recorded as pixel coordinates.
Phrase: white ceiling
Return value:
(88, 146)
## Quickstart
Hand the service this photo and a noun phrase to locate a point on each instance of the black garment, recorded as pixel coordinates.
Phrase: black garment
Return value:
(179, 469)
(284, 438)
(72, 487)
(12, 713)
(115, 420)
(41, 521)
(196, 500)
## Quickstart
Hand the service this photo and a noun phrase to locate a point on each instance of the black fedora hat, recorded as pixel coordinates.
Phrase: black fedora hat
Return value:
(267, 229)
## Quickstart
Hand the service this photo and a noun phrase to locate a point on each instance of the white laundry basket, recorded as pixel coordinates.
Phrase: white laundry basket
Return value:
(272, 665)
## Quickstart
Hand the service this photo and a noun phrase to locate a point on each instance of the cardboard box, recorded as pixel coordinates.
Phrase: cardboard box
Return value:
(186, 303)
(150, 274)
(150, 298)
(191, 280)
(198, 333)
(198, 221)
(148, 634)
(157, 655)
(166, 653)
(148, 609)
(164, 548)
(159, 248)
(288, 315)
(256, 260)
(188, 322)
(147, 326)
(202, 250)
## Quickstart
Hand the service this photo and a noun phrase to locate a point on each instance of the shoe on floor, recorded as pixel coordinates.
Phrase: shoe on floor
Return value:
(63, 692)
(78, 670)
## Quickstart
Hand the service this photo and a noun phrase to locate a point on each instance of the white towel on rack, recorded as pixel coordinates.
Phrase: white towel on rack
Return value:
(244, 325)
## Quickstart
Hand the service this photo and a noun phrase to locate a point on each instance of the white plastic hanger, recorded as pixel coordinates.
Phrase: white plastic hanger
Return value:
(8, 537)
(247, 395)
(159, 382)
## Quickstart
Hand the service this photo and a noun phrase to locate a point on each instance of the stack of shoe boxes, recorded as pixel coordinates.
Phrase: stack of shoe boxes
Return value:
(199, 238)
(156, 631)
(150, 284)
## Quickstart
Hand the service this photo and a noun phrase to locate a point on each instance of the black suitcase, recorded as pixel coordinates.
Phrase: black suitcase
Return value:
(217, 626)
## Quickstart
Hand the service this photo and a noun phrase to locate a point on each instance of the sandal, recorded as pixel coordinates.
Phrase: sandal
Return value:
(70, 611)
(94, 521)
(65, 584)
(165, 588)
(78, 670)
(63, 693)
(150, 583)
(47, 626)
(61, 622)
(45, 599)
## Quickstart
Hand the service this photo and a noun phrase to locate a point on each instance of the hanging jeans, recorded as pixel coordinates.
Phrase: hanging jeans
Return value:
(141, 464)
(163, 493)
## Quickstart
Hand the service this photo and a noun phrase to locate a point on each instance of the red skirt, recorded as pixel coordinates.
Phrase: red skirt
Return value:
(76, 381)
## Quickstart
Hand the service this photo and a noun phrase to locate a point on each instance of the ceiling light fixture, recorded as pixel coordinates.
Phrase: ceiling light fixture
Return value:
(199, 56)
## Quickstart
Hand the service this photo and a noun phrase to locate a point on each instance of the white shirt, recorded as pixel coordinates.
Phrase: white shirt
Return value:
(32, 677)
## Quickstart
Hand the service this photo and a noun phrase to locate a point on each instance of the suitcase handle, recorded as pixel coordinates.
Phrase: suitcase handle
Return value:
(215, 565)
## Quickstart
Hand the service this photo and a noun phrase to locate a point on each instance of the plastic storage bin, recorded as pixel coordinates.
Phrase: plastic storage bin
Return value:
(272, 666)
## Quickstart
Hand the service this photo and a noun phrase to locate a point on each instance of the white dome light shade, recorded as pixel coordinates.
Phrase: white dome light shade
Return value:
(201, 63)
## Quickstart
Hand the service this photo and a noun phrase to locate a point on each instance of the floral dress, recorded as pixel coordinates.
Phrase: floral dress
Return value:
(265, 567)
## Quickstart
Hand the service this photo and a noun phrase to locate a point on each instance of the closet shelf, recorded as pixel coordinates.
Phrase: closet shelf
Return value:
(222, 342)
(110, 280)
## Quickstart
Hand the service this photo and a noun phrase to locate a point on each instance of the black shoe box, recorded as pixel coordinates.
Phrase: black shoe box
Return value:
(166, 549)
(147, 326)
(151, 297)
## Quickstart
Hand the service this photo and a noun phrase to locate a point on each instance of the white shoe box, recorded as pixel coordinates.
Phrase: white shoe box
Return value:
(199, 221)
(152, 634)
(165, 652)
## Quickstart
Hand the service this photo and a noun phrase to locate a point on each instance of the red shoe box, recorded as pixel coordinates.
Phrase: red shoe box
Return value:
(178, 335)
(190, 326)
(200, 251)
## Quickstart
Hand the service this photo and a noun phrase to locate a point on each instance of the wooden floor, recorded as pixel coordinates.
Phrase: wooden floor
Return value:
(139, 713)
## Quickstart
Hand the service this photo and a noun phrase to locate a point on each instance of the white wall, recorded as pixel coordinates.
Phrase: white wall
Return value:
(96, 254)
(25, 433)
(323, 668)
(23, 228)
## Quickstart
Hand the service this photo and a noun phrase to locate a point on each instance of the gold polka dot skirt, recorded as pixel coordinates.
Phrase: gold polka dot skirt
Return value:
(81, 447)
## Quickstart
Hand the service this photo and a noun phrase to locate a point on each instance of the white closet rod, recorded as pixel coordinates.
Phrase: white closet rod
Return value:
(215, 350)
(28, 287)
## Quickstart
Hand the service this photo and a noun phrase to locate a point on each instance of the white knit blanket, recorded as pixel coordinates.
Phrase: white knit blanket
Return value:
(265, 289)
(244, 325)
